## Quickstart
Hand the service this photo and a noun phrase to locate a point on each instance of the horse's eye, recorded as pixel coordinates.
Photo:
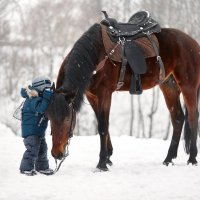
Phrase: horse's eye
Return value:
(67, 119)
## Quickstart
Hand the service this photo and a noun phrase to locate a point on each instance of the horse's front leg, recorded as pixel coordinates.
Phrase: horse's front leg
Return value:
(110, 150)
(101, 103)
(104, 103)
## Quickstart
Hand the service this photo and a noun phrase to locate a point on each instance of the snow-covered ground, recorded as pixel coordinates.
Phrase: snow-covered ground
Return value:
(137, 173)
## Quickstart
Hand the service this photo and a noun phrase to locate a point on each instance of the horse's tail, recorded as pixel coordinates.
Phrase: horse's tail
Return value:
(187, 131)
(198, 107)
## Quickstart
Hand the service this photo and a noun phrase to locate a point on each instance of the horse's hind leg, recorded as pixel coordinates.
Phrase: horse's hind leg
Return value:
(190, 130)
(171, 94)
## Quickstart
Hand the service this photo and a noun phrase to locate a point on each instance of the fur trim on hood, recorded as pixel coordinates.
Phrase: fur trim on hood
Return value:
(28, 92)
(31, 93)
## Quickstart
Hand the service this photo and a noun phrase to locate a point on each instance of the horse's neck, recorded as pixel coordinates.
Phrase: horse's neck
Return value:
(97, 55)
(61, 74)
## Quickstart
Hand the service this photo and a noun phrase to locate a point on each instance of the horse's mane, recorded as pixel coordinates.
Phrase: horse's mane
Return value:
(75, 73)
(81, 62)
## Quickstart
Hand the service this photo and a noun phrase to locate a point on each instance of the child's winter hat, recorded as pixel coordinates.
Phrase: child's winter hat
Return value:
(41, 82)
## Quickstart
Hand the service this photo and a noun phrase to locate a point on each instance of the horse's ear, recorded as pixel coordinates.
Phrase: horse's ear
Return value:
(70, 96)
(61, 90)
(53, 87)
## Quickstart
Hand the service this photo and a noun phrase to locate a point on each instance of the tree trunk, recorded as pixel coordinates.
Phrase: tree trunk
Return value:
(132, 116)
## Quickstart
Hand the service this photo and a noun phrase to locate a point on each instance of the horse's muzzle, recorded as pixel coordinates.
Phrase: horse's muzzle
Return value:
(58, 156)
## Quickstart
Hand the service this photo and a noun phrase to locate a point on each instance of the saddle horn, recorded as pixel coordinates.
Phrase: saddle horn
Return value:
(105, 14)
(108, 21)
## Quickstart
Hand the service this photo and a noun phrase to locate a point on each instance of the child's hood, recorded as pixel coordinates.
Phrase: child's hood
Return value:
(28, 93)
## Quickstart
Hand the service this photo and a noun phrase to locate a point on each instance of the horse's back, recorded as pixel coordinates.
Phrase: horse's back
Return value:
(181, 55)
(178, 49)
(174, 39)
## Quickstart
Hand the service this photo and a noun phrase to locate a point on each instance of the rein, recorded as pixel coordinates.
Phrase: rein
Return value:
(70, 136)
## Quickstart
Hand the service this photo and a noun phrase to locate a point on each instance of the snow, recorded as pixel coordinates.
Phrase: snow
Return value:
(137, 172)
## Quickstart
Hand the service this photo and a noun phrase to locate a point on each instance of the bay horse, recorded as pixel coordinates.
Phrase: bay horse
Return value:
(181, 57)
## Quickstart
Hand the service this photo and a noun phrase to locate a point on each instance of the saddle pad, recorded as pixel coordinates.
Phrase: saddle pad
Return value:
(143, 42)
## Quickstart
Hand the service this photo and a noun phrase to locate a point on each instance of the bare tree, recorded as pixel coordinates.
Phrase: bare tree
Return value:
(154, 108)
(181, 14)
(168, 129)
(132, 115)
(141, 124)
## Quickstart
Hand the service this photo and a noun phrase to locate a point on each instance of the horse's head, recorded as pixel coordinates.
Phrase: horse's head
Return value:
(62, 119)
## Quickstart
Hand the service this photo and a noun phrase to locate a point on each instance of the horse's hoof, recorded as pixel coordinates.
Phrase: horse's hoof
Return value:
(109, 162)
(193, 162)
(96, 170)
(102, 167)
(167, 163)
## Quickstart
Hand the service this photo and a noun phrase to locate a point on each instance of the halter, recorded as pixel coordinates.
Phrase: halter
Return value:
(70, 136)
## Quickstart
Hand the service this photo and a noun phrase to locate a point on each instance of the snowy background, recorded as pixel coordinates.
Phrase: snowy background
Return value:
(35, 36)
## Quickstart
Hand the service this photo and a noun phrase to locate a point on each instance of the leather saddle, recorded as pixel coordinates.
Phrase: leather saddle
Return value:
(139, 25)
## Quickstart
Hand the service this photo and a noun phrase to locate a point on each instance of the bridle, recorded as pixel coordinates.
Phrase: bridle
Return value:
(73, 119)
(72, 124)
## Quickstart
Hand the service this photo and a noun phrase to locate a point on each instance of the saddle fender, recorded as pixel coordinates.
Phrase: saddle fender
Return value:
(135, 57)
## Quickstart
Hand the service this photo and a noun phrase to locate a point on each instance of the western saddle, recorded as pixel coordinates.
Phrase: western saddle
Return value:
(139, 25)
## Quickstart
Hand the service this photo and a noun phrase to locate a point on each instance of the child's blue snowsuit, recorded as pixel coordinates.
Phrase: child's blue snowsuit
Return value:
(34, 125)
